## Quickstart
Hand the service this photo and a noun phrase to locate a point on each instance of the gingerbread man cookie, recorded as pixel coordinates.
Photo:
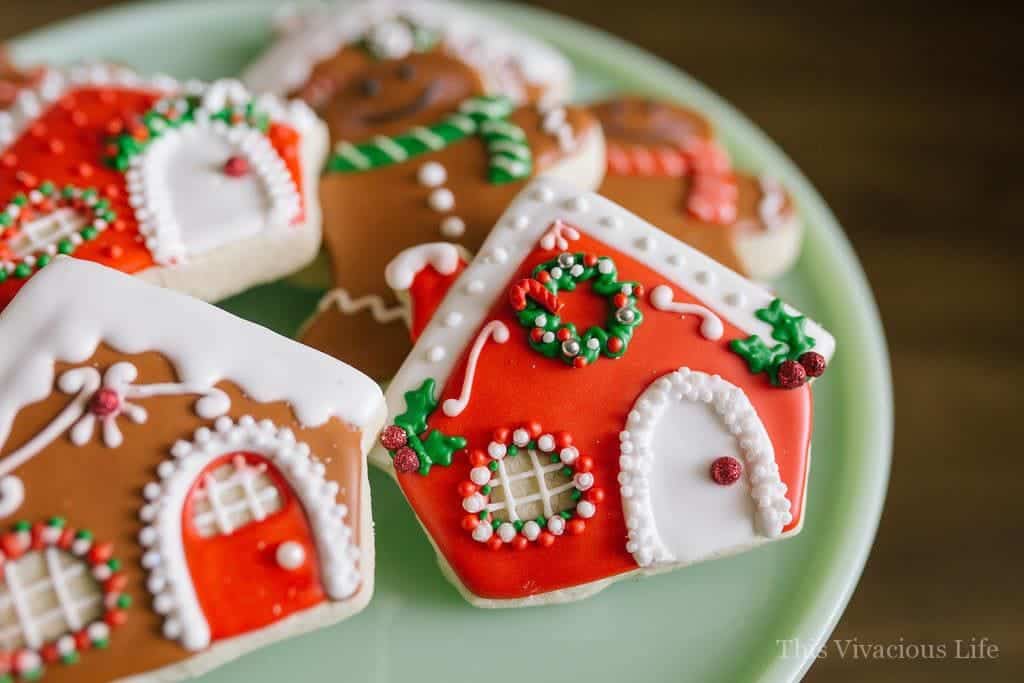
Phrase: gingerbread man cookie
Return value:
(202, 188)
(593, 400)
(424, 152)
(665, 165)
(177, 486)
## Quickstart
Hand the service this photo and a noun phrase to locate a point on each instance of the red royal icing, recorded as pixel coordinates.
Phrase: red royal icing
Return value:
(514, 386)
(67, 145)
(237, 579)
(426, 293)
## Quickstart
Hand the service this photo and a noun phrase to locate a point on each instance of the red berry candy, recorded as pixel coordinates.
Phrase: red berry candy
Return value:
(726, 470)
(791, 375)
(236, 167)
(406, 460)
(813, 363)
(105, 402)
(393, 437)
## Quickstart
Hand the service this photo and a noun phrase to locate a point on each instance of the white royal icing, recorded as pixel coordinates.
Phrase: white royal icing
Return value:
(675, 512)
(404, 268)
(505, 58)
(495, 330)
(164, 559)
(711, 325)
(71, 306)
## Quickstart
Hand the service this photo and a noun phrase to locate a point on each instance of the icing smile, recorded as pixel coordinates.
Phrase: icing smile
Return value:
(422, 101)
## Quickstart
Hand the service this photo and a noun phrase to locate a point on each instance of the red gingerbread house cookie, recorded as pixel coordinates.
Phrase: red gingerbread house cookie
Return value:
(200, 188)
(594, 399)
(177, 486)
(665, 165)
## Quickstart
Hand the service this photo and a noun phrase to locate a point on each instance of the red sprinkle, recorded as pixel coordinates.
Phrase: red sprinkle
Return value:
(114, 251)
(406, 460)
(466, 488)
(791, 375)
(85, 169)
(520, 542)
(393, 437)
(236, 167)
(726, 470)
(814, 363)
(105, 402)
(56, 146)
(79, 119)
(9, 160)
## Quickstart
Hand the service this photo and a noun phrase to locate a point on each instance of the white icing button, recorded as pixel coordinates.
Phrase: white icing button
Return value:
(475, 286)
(432, 174)
(496, 450)
(441, 200)
(585, 509)
(556, 525)
(531, 530)
(506, 532)
(290, 555)
(452, 319)
(521, 437)
(480, 475)
(519, 222)
(482, 532)
(543, 194)
(436, 354)
(569, 454)
(546, 443)
(453, 227)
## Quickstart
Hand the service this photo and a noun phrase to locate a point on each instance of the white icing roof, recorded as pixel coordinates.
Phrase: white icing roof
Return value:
(71, 306)
(308, 36)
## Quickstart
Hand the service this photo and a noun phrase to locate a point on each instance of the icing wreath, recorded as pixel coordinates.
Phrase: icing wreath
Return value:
(22, 252)
(524, 469)
(509, 155)
(536, 303)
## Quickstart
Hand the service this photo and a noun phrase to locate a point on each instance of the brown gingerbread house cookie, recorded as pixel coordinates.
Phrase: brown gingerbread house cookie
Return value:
(177, 486)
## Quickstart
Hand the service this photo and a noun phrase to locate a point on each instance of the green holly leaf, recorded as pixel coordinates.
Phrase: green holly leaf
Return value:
(419, 404)
(438, 449)
(759, 356)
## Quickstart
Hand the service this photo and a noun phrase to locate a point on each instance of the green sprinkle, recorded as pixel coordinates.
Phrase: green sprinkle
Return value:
(69, 658)
(84, 534)
(484, 514)
(114, 564)
(22, 270)
(541, 521)
(485, 489)
(22, 525)
(495, 524)
(493, 465)
(65, 247)
(518, 524)
(577, 494)
(47, 188)
(19, 199)
(124, 601)
(42, 260)
(565, 514)
(555, 458)
(57, 522)
(6, 219)
(513, 450)
(89, 233)
(567, 471)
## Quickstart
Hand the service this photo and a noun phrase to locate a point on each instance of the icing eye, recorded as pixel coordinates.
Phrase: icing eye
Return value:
(369, 86)
(406, 71)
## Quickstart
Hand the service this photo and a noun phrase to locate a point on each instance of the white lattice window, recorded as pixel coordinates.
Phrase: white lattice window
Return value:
(37, 235)
(232, 495)
(525, 487)
(46, 594)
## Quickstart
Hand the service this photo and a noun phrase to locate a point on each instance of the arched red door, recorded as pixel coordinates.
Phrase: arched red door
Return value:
(248, 545)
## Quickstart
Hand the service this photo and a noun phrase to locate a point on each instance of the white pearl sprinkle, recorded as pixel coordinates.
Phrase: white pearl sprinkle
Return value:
(475, 286)
(432, 174)
(441, 200)
(436, 354)
(290, 555)
(452, 319)
(506, 532)
(480, 475)
(453, 227)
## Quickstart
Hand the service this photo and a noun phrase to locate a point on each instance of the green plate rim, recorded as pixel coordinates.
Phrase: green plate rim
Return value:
(849, 311)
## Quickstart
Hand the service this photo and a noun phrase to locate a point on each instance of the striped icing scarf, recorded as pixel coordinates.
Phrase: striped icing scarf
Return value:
(509, 155)
(713, 196)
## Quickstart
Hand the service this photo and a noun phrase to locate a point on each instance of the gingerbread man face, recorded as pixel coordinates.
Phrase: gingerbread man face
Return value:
(649, 122)
(665, 165)
(360, 96)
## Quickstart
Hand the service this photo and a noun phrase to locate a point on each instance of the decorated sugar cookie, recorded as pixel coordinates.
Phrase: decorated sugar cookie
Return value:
(665, 165)
(322, 51)
(168, 502)
(200, 188)
(594, 399)
(14, 78)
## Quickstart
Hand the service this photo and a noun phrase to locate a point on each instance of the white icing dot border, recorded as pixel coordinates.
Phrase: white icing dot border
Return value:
(538, 206)
(637, 457)
(164, 559)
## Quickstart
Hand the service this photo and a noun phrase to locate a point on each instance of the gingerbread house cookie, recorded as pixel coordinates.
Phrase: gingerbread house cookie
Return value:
(177, 486)
(322, 49)
(201, 188)
(665, 165)
(595, 399)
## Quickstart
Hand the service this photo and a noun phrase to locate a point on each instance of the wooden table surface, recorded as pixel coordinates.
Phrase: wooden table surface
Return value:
(907, 118)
